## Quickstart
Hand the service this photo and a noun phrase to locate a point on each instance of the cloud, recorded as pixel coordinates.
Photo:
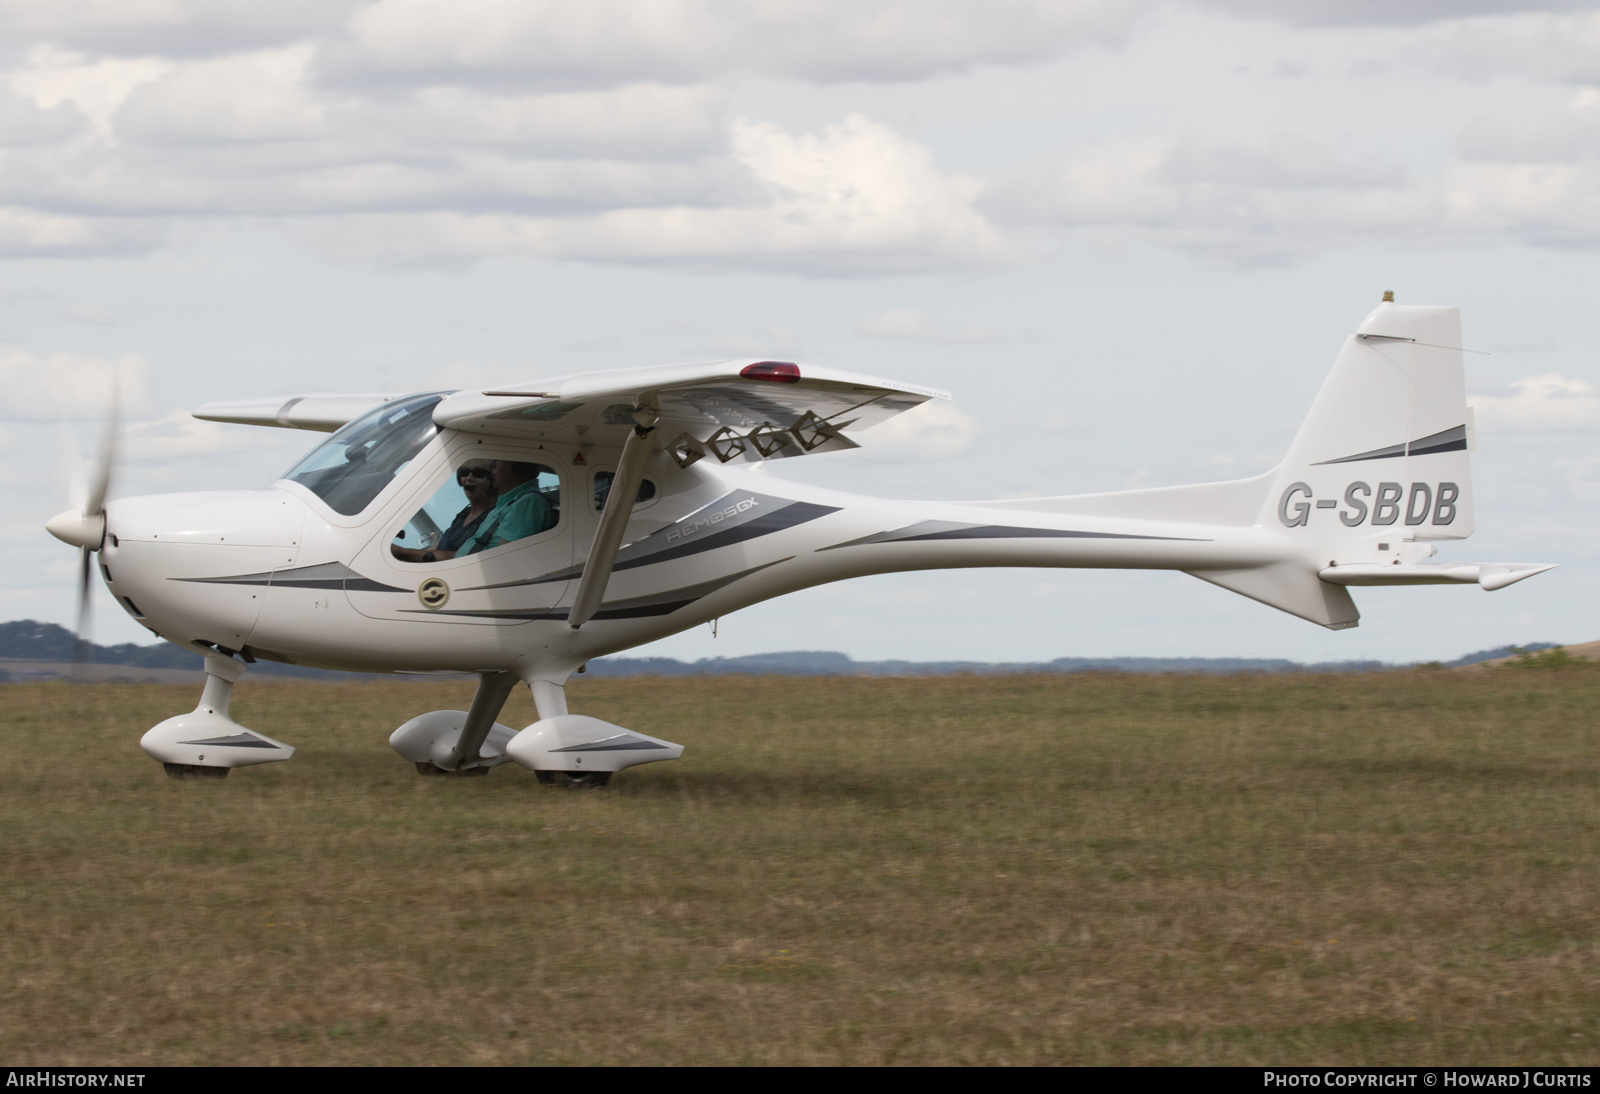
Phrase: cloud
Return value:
(634, 121)
(1564, 48)
(1546, 403)
(170, 27)
(856, 198)
(95, 86)
(1231, 206)
(178, 436)
(27, 233)
(11, 294)
(68, 386)
(257, 97)
(1527, 182)
(1383, 12)
(915, 325)
(1582, 474)
(686, 40)
(1571, 136)
(772, 340)
(1282, 163)
(87, 313)
(936, 430)
(462, 375)
(441, 132)
(422, 131)
(24, 123)
(114, 152)
(1522, 345)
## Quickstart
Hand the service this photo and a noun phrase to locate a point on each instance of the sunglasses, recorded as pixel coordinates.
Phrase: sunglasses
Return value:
(472, 473)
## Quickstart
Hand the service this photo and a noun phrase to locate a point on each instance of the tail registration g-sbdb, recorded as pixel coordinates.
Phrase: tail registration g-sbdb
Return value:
(518, 532)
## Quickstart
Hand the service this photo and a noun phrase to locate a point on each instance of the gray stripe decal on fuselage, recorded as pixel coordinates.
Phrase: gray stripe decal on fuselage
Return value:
(238, 740)
(638, 607)
(947, 529)
(1448, 440)
(325, 575)
(732, 518)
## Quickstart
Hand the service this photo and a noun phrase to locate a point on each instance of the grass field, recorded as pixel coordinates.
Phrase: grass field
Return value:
(1394, 868)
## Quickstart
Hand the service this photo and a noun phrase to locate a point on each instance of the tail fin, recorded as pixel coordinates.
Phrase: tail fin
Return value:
(1378, 468)
(1382, 457)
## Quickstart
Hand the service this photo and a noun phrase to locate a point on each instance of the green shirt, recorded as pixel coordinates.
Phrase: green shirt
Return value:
(521, 512)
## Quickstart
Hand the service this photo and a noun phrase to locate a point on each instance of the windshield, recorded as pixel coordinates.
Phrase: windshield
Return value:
(353, 466)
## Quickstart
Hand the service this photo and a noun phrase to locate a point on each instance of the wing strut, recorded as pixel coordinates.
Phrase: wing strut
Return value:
(614, 520)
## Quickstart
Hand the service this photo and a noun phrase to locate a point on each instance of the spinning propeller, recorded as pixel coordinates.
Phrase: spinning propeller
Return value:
(85, 526)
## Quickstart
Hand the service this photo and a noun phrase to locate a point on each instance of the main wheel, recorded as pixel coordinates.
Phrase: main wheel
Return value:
(574, 780)
(426, 768)
(195, 771)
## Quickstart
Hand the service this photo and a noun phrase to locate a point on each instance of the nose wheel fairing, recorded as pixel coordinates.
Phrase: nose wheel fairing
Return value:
(207, 737)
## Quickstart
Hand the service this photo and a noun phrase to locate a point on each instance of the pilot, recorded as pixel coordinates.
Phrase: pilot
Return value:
(521, 511)
(477, 482)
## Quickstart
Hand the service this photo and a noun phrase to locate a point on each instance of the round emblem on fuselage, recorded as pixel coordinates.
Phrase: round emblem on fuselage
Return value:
(433, 593)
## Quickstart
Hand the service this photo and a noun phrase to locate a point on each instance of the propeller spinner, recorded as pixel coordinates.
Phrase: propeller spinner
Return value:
(85, 526)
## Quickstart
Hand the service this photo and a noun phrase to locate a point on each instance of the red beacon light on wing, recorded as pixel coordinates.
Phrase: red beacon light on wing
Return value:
(781, 372)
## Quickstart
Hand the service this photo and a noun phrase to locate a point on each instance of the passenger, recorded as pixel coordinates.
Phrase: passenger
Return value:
(477, 483)
(521, 511)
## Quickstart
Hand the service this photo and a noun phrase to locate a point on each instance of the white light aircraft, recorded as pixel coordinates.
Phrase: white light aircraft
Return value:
(518, 532)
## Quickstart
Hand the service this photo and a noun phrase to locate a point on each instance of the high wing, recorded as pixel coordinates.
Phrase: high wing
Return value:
(729, 410)
(322, 413)
(732, 410)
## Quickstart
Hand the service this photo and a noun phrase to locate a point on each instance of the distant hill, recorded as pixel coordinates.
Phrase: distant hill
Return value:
(1584, 651)
(51, 645)
(49, 649)
(827, 663)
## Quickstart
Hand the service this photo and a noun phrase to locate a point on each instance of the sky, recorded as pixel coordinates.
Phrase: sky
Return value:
(1128, 237)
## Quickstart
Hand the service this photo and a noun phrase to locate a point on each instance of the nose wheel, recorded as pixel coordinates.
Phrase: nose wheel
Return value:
(574, 780)
(195, 771)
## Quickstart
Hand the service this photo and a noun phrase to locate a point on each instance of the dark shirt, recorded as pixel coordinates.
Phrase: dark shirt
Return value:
(461, 529)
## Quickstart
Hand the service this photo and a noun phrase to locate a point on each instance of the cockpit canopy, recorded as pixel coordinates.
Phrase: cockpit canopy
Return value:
(353, 466)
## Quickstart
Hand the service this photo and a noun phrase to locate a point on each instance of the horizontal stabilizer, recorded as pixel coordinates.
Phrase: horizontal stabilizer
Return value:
(1490, 575)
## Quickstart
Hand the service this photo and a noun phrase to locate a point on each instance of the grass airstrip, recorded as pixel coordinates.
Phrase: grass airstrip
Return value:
(1394, 868)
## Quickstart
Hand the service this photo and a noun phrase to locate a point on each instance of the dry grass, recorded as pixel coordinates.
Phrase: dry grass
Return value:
(1396, 868)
